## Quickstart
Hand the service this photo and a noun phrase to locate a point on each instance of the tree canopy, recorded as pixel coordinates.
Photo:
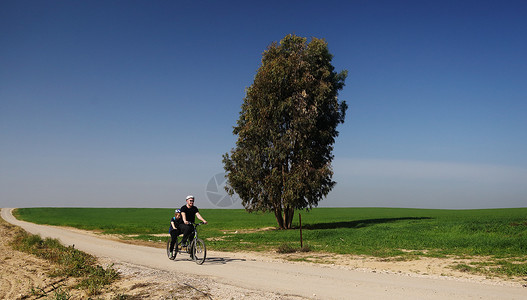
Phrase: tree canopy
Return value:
(286, 130)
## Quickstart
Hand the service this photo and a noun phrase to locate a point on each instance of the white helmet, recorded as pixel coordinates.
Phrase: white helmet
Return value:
(189, 197)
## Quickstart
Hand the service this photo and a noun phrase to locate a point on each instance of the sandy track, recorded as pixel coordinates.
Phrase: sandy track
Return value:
(255, 273)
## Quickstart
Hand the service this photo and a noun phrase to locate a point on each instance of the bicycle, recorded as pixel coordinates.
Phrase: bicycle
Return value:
(196, 248)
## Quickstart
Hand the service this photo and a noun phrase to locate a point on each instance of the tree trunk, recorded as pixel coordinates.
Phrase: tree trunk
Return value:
(279, 218)
(289, 213)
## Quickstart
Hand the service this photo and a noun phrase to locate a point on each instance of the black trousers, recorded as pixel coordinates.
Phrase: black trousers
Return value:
(187, 231)
(173, 235)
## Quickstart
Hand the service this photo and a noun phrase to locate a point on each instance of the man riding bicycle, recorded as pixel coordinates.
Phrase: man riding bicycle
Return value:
(189, 212)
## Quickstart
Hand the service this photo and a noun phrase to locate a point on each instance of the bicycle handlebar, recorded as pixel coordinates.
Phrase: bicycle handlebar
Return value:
(197, 224)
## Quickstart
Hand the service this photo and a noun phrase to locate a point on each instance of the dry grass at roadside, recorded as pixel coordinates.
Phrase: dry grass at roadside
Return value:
(67, 262)
(33, 268)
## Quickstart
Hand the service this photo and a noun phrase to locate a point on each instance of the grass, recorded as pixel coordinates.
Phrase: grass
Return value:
(69, 262)
(499, 234)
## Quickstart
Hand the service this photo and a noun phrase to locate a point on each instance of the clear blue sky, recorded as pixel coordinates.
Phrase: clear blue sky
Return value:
(132, 103)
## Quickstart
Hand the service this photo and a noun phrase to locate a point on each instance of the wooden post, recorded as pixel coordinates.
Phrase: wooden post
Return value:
(300, 221)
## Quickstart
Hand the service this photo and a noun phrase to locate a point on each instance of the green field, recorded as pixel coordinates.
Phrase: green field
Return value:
(500, 234)
(371, 231)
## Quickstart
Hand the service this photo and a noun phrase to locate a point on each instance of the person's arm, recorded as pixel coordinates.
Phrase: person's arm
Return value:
(173, 224)
(201, 218)
(184, 217)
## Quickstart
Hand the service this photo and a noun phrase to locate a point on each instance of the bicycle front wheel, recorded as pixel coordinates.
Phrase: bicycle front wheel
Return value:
(199, 251)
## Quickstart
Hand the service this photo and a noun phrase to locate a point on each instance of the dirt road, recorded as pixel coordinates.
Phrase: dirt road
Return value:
(257, 273)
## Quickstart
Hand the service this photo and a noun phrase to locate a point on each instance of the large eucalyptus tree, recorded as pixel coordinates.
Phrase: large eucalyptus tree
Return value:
(286, 130)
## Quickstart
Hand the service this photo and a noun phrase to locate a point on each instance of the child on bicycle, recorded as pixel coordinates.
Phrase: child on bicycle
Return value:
(174, 229)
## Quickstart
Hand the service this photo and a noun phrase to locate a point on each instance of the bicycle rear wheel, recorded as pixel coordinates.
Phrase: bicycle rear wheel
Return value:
(199, 251)
(172, 255)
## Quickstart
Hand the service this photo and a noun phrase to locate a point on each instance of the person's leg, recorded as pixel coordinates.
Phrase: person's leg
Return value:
(173, 237)
(187, 230)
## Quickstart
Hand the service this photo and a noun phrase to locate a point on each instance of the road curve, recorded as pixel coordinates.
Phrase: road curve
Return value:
(317, 282)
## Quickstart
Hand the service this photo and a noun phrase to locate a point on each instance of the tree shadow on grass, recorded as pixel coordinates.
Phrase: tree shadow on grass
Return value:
(358, 223)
